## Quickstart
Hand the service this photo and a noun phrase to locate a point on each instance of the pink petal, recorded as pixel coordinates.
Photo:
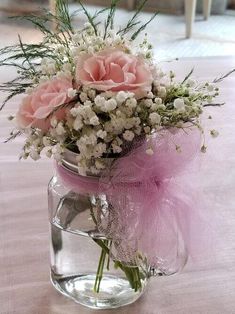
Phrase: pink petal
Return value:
(130, 78)
(42, 112)
(60, 99)
(116, 74)
(48, 97)
(143, 74)
(91, 66)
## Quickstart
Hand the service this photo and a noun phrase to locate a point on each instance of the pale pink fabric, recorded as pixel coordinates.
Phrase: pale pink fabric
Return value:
(36, 107)
(114, 70)
(151, 205)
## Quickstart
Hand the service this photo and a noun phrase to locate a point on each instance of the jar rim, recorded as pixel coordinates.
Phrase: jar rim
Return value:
(69, 162)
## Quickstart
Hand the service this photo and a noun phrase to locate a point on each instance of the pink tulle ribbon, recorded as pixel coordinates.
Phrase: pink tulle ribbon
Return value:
(152, 212)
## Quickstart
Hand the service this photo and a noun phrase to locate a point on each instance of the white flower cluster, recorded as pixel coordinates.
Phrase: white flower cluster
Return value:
(105, 124)
(86, 41)
(102, 124)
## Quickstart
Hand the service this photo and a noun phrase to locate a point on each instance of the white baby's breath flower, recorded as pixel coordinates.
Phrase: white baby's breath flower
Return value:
(131, 103)
(83, 96)
(34, 154)
(57, 152)
(147, 129)
(99, 101)
(128, 135)
(129, 123)
(94, 170)
(148, 103)
(154, 118)
(118, 141)
(54, 122)
(71, 92)
(74, 111)
(191, 82)
(101, 134)
(94, 120)
(121, 96)
(136, 121)
(47, 151)
(99, 149)
(138, 130)
(210, 87)
(154, 107)
(116, 149)
(99, 164)
(46, 141)
(179, 104)
(162, 92)
(90, 139)
(150, 95)
(36, 142)
(110, 105)
(91, 94)
(60, 130)
(77, 124)
(158, 101)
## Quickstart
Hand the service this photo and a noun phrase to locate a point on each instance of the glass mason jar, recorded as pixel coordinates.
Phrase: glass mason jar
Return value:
(80, 268)
(83, 267)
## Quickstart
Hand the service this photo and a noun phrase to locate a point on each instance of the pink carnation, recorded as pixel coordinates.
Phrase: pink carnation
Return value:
(114, 70)
(36, 107)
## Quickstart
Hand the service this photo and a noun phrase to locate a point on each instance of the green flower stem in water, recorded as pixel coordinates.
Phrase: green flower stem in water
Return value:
(99, 273)
(132, 272)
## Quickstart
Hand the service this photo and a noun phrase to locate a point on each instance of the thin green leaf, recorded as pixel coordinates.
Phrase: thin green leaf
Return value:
(62, 13)
(132, 22)
(12, 136)
(133, 37)
(221, 78)
(110, 17)
(89, 17)
(188, 76)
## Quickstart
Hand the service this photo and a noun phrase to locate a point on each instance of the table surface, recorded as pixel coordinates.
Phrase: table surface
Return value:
(203, 288)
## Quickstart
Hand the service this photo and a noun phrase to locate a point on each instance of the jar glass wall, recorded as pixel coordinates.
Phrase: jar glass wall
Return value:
(80, 269)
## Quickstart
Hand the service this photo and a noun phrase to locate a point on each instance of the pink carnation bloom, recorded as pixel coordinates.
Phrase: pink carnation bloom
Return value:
(37, 106)
(114, 70)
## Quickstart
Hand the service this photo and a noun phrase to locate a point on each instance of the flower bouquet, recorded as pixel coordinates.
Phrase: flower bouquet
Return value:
(121, 133)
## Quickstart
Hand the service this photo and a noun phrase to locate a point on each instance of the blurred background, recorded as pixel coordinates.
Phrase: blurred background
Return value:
(175, 32)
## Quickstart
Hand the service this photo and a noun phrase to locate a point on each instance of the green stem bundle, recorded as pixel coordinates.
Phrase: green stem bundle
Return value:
(132, 273)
